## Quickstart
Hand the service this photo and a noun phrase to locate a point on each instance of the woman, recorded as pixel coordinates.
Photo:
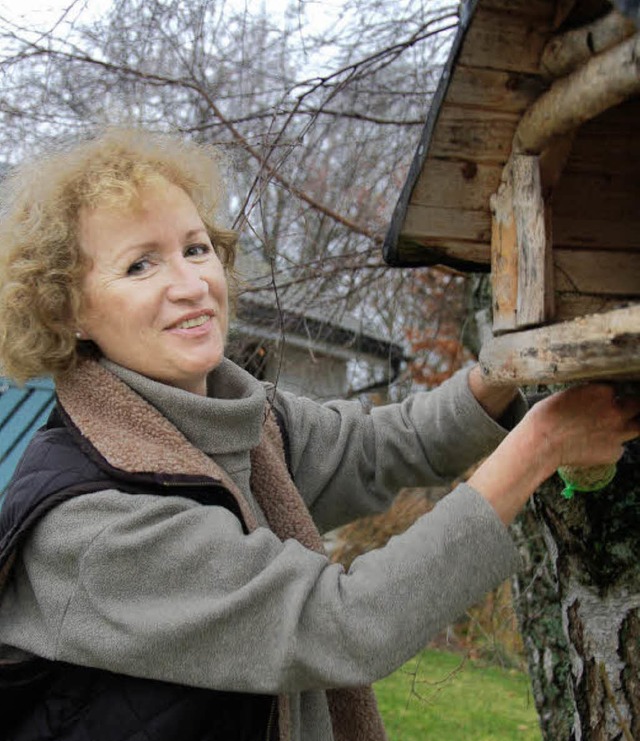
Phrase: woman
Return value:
(163, 577)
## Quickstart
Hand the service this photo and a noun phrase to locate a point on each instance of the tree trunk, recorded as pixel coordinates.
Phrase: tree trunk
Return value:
(578, 593)
(537, 603)
(578, 600)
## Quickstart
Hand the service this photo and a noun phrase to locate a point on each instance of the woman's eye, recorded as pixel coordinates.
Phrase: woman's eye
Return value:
(195, 250)
(139, 266)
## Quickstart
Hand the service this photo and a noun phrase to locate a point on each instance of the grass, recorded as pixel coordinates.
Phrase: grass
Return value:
(441, 696)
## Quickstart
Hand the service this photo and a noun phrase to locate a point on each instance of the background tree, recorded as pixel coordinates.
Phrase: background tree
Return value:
(319, 118)
(579, 607)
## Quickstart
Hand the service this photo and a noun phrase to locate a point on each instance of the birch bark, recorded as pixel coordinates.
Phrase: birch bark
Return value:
(578, 601)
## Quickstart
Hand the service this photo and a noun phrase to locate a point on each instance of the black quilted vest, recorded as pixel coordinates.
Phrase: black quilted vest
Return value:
(43, 700)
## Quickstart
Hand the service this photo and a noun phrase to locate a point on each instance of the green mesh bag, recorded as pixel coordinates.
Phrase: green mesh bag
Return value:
(592, 478)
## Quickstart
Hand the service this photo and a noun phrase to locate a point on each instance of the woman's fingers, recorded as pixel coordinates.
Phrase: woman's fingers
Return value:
(631, 429)
(588, 424)
(629, 405)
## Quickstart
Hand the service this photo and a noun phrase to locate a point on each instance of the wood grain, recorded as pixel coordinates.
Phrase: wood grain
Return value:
(597, 272)
(604, 81)
(510, 92)
(565, 52)
(504, 258)
(535, 271)
(452, 223)
(452, 184)
(473, 135)
(589, 347)
(505, 41)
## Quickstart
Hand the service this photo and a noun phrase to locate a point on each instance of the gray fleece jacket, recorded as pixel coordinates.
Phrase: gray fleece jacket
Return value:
(165, 588)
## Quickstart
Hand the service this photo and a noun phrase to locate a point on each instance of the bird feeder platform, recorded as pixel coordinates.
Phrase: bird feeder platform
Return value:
(528, 167)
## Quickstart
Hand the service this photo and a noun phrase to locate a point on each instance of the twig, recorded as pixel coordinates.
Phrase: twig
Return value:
(612, 700)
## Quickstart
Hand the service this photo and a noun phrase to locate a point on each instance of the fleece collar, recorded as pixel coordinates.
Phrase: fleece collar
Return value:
(131, 434)
(228, 420)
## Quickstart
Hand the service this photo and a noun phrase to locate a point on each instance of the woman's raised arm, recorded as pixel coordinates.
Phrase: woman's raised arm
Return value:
(583, 426)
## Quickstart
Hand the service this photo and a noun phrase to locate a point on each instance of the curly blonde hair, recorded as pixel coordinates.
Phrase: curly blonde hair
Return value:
(41, 263)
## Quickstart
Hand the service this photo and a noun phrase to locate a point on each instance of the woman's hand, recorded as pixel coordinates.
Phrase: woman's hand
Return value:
(492, 398)
(582, 426)
(587, 425)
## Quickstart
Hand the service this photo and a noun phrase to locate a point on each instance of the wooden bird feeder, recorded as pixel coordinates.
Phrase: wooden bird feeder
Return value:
(529, 166)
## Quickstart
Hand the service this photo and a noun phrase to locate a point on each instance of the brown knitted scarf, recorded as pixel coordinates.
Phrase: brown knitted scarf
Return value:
(132, 435)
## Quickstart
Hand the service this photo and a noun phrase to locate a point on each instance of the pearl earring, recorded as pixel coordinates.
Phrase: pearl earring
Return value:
(78, 334)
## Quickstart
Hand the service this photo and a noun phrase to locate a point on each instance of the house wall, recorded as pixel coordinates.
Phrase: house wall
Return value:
(305, 366)
(315, 375)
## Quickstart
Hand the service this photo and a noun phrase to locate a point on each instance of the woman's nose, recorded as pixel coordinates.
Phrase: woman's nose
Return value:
(185, 281)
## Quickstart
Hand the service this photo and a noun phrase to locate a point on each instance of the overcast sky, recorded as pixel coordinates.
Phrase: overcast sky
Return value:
(37, 12)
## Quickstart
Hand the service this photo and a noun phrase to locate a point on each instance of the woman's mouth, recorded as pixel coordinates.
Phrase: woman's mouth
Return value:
(196, 321)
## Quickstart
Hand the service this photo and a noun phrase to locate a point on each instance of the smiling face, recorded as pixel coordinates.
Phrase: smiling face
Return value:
(155, 294)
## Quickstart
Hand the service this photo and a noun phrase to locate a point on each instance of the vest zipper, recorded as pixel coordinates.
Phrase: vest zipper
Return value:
(197, 482)
(272, 713)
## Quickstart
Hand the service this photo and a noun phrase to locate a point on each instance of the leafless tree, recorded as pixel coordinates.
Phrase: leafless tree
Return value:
(319, 118)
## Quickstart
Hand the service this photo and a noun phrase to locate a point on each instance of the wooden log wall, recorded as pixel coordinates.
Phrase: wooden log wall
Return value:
(596, 216)
(590, 147)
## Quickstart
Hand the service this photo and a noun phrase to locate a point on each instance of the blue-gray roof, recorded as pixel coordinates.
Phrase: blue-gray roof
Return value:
(630, 8)
(23, 409)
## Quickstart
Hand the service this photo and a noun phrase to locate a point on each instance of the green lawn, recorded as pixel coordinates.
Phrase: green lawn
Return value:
(440, 696)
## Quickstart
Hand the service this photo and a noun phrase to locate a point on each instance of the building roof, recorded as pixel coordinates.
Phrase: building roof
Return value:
(23, 409)
(341, 339)
(331, 328)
